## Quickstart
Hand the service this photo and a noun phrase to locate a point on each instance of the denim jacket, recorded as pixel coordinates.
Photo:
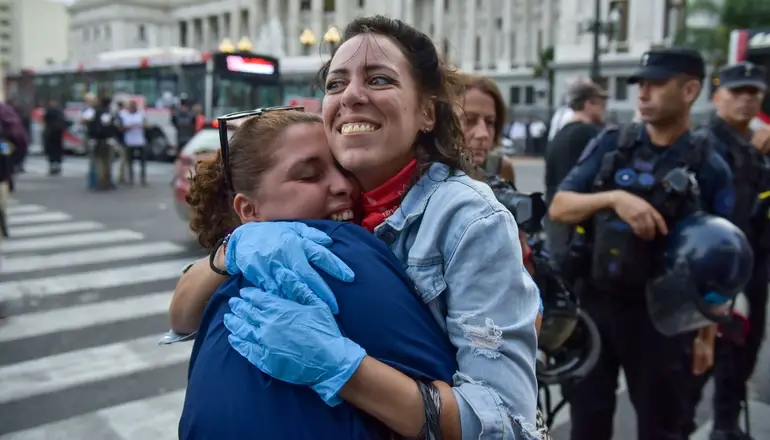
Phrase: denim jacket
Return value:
(460, 247)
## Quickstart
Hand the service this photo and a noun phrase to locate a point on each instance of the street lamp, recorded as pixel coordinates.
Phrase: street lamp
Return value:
(244, 45)
(333, 37)
(307, 39)
(227, 46)
(597, 27)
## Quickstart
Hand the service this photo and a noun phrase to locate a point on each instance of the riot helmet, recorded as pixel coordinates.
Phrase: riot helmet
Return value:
(569, 340)
(575, 357)
(560, 306)
(706, 262)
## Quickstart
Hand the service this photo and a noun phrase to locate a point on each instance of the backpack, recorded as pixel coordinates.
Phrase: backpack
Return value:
(102, 125)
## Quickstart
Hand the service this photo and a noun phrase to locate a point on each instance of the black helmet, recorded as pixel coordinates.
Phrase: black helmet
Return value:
(707, 262)
(560, 306)
(569, 340)
(574, 358)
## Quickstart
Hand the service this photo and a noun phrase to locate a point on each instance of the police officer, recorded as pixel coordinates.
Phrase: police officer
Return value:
(620, 184)
(738, 100)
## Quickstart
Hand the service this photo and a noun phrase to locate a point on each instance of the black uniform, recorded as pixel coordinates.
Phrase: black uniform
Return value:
(736, 355)
(614, 267)
(55, 125)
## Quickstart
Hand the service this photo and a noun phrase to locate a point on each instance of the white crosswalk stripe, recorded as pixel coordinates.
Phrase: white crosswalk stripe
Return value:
(83, 309)
(75, 166)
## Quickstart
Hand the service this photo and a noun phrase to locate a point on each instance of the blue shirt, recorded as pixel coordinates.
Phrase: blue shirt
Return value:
(714, 177)
(230, 399)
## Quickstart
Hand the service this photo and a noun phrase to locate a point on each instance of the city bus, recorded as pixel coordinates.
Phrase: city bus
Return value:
(753, 45)
(219, 82)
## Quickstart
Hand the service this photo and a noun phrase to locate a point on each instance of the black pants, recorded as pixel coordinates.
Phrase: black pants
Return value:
(53, 145)
(134, 154)
(657, 369)
(734, 363)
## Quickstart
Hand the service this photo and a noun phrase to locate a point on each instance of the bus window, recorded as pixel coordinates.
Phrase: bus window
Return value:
(147, 84)
(192, 81)
(41, 91)
(268, 96)
(231, 95)
(124, 81)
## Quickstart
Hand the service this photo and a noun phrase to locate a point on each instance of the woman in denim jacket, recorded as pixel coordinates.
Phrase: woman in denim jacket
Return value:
(388, 114)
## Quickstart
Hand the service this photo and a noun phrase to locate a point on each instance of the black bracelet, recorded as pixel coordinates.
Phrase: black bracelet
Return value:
(431, 400)
(212, 256)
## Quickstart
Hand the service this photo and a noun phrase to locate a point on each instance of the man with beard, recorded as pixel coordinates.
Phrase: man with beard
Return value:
(588, 103)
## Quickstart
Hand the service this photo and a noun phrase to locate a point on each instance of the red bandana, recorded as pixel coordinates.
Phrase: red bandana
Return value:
(383, 201)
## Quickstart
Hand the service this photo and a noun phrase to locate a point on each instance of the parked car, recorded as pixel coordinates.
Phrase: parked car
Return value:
(205, 144)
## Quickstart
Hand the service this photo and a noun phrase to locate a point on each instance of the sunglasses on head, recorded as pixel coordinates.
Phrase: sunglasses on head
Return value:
(223, 140)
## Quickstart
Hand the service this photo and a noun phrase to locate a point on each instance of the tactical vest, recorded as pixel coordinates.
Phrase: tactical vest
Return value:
(620, 260)
(751, 176)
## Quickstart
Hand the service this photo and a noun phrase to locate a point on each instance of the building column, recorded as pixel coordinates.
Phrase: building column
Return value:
(547, 20)
(489, 43)
(438, 24)
(408, 12)
(235, 22)
(253, 22)
(456, 10)
(522, 39)
(469, 37)
(293, 31)
(317, 20)
(396, 9)
(222, 32)
(342, 13)
(205, 33)
(505, 59)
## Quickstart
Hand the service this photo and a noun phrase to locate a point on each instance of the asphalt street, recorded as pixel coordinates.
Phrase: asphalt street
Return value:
(85, 282)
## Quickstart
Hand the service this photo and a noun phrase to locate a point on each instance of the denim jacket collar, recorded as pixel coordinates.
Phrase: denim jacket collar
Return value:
(416, 200)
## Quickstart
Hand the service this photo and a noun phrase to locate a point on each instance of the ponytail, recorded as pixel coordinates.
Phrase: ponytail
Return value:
(212, 216)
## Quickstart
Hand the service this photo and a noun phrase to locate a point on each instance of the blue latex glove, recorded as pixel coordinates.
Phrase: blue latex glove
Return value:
(277, 256)
(295, 340)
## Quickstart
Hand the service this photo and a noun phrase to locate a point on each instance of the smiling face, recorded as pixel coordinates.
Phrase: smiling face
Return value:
(302, 181)
(373, 110)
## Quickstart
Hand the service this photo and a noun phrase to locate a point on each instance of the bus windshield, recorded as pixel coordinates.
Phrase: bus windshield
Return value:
(244, 80)
(238, 94)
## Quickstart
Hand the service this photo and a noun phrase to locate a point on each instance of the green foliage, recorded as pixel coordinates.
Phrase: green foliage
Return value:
(544, 60)
(713, 43)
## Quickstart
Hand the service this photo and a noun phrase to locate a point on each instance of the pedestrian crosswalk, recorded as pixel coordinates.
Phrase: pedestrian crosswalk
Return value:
(82, 308)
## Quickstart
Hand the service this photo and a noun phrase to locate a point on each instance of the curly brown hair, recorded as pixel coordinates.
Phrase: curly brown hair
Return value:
(489, 88)
(252, 150)
(445, 143)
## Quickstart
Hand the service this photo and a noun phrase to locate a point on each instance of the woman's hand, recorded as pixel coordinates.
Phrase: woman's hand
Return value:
(278, 255)
(295, 340)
